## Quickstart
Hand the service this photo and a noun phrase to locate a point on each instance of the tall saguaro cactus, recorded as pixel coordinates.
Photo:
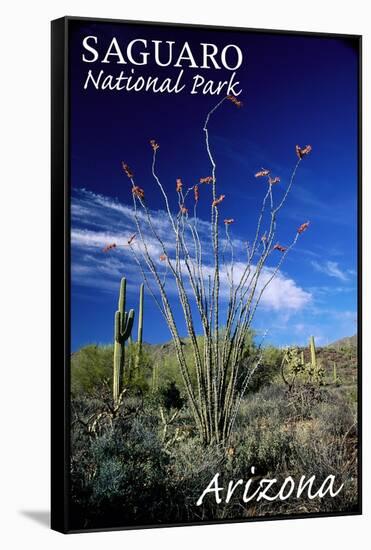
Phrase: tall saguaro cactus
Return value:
(140, 326)
(316, 371)
(123, 326)
(313, 356)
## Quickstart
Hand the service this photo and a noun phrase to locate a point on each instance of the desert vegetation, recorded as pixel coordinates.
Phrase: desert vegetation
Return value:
(142, 461)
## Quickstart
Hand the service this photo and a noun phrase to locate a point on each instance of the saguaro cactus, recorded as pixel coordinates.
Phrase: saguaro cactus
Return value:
(123, 327)
(316, 371)
(313, 356)
(140, 325)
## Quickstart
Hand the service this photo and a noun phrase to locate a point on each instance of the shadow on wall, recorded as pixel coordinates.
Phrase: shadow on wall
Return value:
(42, 517)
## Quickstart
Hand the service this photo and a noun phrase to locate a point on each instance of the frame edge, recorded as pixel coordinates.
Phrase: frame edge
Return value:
(59, 280)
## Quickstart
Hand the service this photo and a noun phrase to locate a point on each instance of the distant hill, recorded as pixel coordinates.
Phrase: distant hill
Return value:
(347, 342)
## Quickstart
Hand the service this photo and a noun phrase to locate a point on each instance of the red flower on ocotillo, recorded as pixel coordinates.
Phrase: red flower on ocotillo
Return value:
(262, 173)
(109, 247)
(280, 247)
(273, 181)
(229, 221)
(303, 227)
(196, 193)
(162, 258)
(303, 151)
(154, 144)
(219, 200)
(208, 179)
(138, 192)
(179, 185)
(235, 101)
(127, 170)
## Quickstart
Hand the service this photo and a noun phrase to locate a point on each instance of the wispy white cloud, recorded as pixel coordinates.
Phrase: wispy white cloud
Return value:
(98, 221)
(325, 290)
(331, 269)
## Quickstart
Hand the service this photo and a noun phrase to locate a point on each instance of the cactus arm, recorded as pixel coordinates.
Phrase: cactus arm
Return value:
(124, 320)
(128, 327)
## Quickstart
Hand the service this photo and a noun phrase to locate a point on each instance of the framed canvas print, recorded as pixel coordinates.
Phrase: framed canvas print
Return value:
(206, 352)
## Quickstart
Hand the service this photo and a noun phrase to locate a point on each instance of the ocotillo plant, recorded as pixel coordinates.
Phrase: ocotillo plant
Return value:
(123, 326)
(219, 358)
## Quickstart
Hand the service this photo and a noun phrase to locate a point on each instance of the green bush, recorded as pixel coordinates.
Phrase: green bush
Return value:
(269, 369)
(91, 367)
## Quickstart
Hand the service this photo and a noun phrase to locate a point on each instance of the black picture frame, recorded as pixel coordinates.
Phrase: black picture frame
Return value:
(61, 272)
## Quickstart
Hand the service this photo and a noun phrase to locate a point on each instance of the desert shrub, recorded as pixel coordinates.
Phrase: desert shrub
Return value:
(137, 372)
(302, 400)
(336, 417)
(119, 476)
(170, 397)
(268, 402)
(266, 446)
(320, 449)
(269, 370)
(191, 458)
(192, 467)
(324, 444)
(168, 367)
(261, 438)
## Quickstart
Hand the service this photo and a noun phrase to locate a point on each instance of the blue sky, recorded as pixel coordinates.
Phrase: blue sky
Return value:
(296, 89)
